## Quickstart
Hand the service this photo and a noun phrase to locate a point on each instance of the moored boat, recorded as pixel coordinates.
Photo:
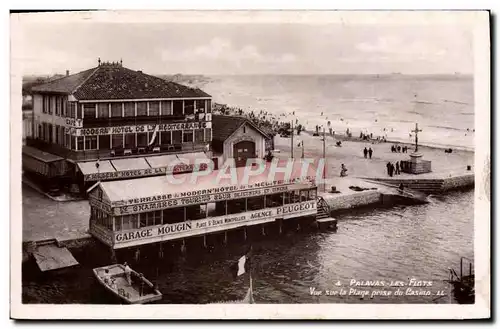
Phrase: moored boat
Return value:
(114, 279)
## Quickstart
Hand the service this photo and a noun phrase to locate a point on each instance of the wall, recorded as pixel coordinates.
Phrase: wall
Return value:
(238, 135)
(347, 201)
(457, 182)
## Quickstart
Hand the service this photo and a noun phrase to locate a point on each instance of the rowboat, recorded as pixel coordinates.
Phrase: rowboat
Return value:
(114, 279)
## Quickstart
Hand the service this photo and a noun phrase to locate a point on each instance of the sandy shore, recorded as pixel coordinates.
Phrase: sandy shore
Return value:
(351, 154)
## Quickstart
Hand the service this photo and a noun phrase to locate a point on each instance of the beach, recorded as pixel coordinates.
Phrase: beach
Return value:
(351, 155)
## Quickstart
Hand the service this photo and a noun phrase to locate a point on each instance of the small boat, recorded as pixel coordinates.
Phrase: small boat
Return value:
(114, 279)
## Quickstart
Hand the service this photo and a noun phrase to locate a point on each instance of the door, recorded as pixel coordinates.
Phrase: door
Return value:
(242, 151)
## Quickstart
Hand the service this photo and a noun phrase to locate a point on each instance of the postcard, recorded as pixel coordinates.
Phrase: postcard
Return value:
(250, 165)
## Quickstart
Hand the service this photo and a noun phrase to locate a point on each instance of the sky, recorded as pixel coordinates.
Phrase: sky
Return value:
(250, 48)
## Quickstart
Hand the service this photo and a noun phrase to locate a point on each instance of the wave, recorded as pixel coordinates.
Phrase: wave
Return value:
(456, 102)
(447, 128)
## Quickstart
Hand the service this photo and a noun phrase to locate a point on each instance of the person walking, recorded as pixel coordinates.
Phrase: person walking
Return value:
(391, 170)
(370, 152)
(388, 165)
(397, 168)
(365, 152)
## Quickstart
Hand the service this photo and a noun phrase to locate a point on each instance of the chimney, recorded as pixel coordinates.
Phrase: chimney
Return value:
(67, 73)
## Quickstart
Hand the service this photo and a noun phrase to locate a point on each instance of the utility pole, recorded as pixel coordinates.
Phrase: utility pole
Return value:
(291, 127)
(324, 160)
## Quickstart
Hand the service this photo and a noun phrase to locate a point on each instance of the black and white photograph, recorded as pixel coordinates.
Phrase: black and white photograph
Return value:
(331, 161)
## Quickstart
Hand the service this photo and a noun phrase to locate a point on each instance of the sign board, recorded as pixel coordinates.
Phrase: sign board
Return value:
(98, 131)
(213, 224)
(139, 205)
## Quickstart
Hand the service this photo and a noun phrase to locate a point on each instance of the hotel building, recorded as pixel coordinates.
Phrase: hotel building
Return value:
(110, 122)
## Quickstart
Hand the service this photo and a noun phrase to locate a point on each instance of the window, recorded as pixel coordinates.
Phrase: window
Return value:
(312, 194)
(62, 142)
(79, 143)
(143, 220)
(154, 109)
(142, 139)
(89, 110)
(103, 110)
(116, 110)
(142, 108)
(209, 106)
(68, 141)
(51, 104)
(44, 104)
(104, 142)
(118, 223)
(173, 215)
(199, 136)
(90, 142)
(166, 108)
(166, 137)
(57, 134)
(156, 218)
(49, 139)
(188, 107)
(177, 107)
(40, 132)
(72, 109)
(236, 206)
(187, 136)
(177, 137)
(208, 134)
(255, 203)
(129, 109)
(200, 106)
(117, 141)
(58, 106)
(129, 140)
(129, 222)
(274, 200)
(65, 108)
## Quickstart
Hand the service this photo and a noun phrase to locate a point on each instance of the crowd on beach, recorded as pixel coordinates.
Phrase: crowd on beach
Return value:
(282, 124)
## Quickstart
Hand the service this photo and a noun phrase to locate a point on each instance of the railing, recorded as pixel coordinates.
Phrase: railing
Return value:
(323, 206)
(116, 152)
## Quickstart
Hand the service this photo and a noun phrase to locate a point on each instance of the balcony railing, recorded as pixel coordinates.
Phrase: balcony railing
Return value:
(122, 152)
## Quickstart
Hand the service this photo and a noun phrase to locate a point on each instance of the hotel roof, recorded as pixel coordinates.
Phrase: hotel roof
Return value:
(224, 126)
(113, 82)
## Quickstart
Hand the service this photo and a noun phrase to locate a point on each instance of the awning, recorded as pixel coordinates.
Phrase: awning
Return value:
(130, 164)
(40, 155)
(88, 168)
(142, 167)
(179, 163)
(43, 163)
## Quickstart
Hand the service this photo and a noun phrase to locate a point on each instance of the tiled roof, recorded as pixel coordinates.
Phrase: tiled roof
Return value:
(224, 126)
(65, 85)
(117, 82)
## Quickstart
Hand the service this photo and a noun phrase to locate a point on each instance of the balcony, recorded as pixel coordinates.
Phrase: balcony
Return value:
(115, 153)
(121, 121)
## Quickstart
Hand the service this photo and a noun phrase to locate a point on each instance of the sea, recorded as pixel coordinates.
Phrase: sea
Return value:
(384, 105)
(407, 243)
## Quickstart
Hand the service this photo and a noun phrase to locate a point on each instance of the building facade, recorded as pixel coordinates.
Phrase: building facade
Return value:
(110, 114)
(238, 138)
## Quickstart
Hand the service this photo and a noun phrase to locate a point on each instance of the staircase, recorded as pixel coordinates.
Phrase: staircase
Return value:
(323, 210)
(428, 186)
